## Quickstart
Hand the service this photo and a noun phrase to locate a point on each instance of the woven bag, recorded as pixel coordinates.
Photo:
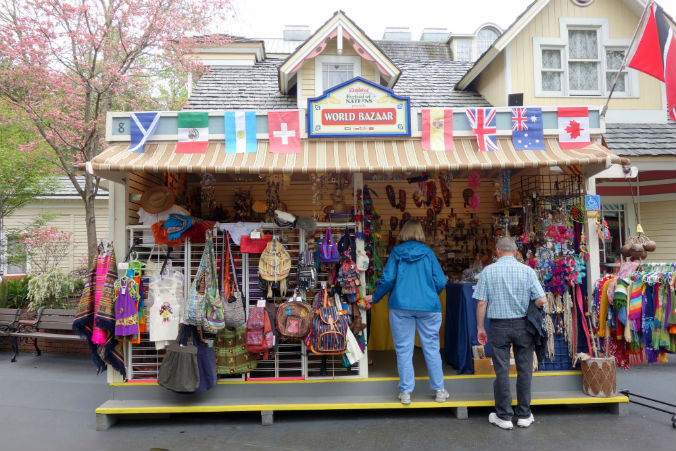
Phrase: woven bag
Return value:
(294, 318)
(274, 265)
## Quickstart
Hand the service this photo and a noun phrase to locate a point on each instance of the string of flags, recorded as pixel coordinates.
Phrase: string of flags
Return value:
(284, 133)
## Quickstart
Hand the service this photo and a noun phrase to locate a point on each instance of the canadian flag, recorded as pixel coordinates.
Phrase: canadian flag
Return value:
(574, 127)
(284, 131)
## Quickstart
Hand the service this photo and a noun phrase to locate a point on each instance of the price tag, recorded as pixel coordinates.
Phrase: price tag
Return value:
(123, 266)
(255, 235)
(260, 303)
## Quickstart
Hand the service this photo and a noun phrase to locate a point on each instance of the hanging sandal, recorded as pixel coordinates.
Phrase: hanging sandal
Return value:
(402, 200)
(431, 192)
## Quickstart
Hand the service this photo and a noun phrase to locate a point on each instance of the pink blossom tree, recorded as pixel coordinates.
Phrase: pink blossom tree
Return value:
(66, 63)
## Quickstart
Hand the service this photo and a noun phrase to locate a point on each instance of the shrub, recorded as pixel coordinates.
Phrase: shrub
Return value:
(14, 292)
(49, 289)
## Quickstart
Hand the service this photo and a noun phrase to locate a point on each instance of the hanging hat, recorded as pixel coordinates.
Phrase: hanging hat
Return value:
(259, 207)
(157, 199)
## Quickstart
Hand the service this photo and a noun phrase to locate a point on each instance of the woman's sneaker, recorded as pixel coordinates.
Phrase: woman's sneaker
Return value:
(525, 422)
(441, 395)
(493, 418)
(405, 397)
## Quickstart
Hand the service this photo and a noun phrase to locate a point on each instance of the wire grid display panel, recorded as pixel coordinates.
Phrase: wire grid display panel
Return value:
(143, 359)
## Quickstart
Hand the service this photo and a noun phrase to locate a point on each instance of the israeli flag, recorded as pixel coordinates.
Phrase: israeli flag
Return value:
(141, 127)
(240, 132)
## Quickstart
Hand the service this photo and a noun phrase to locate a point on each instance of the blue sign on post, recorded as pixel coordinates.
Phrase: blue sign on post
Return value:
(592, 202)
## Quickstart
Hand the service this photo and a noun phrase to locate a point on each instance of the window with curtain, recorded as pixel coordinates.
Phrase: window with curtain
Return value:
(463, 50)
(583, 62)
(484, 39)
(15, 257)
(335, 74)
(552, 70)
(614, 59)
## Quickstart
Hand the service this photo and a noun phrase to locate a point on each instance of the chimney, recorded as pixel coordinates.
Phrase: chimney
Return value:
(296, 32)
(397, 34)
(435, 34)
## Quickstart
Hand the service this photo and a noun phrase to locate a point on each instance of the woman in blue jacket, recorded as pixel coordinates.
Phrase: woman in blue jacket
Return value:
(414, 279)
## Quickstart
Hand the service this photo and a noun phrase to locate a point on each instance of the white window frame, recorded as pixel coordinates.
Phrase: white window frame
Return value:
(4, 243)
(322, 60)
(471, 49)
(604, 43)
(600, 50)
(562, 71)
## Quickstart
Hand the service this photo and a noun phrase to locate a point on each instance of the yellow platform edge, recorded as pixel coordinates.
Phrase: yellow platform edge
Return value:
(357, 379)
(347, 406)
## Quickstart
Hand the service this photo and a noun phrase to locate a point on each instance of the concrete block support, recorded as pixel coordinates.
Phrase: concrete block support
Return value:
(460, 413)
(267, 417)
(104, 422)
(620, 409)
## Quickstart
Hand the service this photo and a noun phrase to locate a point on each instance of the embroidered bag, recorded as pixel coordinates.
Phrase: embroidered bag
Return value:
(274, 265)
(294, 317)
(214, 309)
(328, 252)
(260, 332)
(203, 292)
(250, 245)
(306, 278)
(348, 276)
(329, 326)
(233, 299)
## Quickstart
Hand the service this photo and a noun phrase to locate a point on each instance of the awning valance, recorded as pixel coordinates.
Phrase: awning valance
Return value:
(368, 156)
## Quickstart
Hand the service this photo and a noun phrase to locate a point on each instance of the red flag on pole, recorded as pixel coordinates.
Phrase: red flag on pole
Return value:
(655, 54)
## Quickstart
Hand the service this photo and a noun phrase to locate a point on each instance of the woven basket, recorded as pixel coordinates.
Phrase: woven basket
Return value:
(598, 377)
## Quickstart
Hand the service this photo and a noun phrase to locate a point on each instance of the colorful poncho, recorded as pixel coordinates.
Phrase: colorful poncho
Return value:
(110, 352)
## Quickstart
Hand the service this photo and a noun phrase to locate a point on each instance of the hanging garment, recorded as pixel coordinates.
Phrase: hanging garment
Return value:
(126, 308)
(102, 267)
(102, 315)
(165, 302)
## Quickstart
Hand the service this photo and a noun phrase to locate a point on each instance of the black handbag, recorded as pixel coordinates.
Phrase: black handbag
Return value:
(306, 279)
(347, 244)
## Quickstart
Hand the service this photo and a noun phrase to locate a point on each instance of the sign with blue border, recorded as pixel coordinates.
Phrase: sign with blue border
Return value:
(592, 202)
(358, 108)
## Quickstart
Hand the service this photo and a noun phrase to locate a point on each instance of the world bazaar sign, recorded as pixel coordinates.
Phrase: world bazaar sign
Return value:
(358, 108)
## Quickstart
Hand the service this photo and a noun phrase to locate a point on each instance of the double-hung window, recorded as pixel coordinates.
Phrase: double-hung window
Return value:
(584, 61)
(332, 70)
(335, 74)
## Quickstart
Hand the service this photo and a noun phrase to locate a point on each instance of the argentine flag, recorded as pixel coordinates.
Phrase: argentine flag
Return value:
(141, 127)
(240, 132)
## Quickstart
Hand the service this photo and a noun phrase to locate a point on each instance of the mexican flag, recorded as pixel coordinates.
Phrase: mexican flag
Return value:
(193, 132)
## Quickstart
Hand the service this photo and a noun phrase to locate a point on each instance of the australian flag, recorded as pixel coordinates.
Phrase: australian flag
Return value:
(482, 121)
(527, 131)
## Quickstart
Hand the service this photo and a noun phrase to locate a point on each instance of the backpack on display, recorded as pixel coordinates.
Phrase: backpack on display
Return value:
(274, 266)
(261, 336)
(329, 327)
(306, 278)
(294, 317)
(347, 277)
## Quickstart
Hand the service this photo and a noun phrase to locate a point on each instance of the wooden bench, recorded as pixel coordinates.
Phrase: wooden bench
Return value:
(47, 319)
(9, 318)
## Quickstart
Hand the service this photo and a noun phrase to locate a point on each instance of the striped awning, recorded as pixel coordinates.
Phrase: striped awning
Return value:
(366, 156)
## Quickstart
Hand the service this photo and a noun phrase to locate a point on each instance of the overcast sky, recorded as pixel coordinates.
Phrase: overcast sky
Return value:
(266, 18)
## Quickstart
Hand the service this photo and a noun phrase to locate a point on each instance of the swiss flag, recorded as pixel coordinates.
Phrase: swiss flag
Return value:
(573, 127)
(655, 54)
(284, 131)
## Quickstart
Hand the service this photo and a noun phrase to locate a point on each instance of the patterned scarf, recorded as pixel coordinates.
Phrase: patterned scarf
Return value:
(111, 351)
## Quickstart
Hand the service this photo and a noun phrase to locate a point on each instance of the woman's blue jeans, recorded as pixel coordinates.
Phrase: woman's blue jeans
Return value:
(403, 324)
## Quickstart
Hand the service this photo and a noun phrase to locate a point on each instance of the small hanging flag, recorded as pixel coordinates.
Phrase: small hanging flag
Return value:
(240, 132)
(284, 132)
(141, 127)
(193, 132)
(482, 121)
(437, 129)
(573, 127)
(527, 132)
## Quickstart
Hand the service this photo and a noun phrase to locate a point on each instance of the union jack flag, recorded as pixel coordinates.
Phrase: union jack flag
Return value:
(482, 121)
(519, 119)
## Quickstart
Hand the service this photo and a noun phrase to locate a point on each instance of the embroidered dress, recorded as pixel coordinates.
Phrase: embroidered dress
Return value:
(126, 313)
(165, 301)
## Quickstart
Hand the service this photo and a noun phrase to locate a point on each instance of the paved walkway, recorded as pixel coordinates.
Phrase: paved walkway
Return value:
(48, 402)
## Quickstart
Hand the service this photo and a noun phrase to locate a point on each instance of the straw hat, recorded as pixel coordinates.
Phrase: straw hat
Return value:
(157, 199)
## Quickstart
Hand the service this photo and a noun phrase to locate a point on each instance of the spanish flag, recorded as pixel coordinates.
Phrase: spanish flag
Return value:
(437, 129)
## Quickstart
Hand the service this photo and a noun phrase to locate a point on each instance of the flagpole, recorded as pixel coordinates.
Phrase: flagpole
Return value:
(626, 56)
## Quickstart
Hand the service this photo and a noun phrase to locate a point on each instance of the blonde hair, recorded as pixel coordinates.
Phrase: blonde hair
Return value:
(412, 230)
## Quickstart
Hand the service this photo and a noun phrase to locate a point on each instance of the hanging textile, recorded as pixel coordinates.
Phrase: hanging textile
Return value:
(165, 302)
(97, 312)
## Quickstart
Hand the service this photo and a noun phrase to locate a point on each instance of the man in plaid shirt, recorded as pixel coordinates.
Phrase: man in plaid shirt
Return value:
(504, 291)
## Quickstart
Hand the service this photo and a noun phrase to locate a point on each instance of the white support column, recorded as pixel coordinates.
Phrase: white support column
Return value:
(594, 264)
(339, 40)
(117, 232)
(358, 185)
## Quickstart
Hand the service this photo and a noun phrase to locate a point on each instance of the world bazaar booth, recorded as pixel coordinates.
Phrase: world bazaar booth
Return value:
(358, 162)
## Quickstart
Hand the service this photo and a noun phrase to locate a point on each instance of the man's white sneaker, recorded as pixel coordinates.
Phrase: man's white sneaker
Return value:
(525, 422)
(441, 395)
(493, 418)
(405, 397)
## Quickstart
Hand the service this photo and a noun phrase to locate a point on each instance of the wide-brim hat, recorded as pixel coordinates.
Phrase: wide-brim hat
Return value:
(157, 199)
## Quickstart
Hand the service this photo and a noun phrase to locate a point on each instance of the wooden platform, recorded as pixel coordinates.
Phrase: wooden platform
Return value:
(345, 394)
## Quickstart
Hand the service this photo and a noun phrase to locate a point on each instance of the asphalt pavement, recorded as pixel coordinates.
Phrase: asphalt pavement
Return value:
(48, 402)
